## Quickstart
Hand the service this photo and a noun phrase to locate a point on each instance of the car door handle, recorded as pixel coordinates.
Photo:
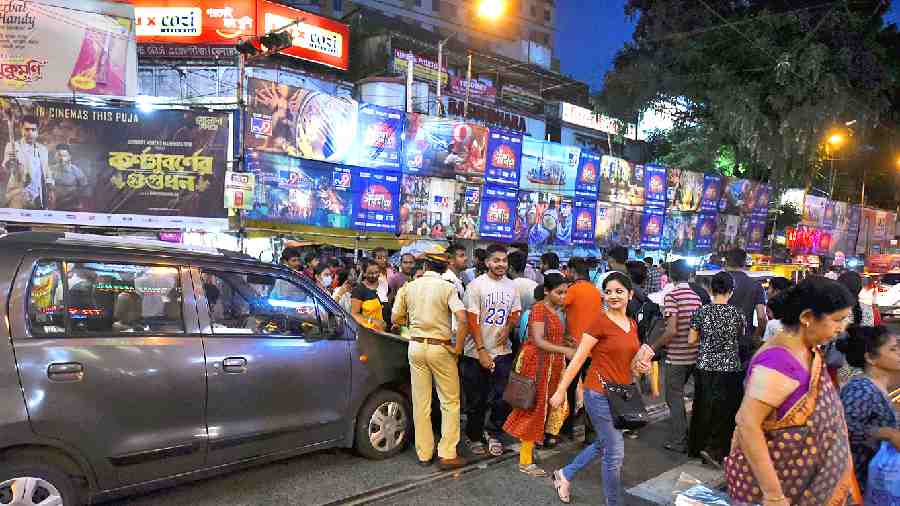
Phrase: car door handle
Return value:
(65, 372)
(234, 365)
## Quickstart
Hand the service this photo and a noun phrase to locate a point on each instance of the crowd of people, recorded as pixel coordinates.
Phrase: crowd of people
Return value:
(766, 364)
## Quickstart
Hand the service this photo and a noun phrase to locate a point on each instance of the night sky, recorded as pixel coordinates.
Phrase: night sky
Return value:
(595, 30)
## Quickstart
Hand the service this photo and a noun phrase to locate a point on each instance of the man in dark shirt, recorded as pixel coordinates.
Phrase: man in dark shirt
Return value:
(750, 298)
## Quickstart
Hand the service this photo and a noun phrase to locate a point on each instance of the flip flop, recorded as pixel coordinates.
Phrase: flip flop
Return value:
(562, 487)
(477, 448)
(495, 447)
(532, 470)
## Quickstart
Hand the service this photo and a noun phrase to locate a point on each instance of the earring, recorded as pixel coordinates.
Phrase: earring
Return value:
(806, 324)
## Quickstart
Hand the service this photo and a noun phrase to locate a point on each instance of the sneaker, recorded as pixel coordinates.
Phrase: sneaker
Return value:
(532, 470)
(476, 447)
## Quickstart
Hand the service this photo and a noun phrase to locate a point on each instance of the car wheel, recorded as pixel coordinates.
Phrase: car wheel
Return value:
(384, 425)
(37, 483)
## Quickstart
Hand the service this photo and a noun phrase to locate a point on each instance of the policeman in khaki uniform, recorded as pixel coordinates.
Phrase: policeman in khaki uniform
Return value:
(426, 306)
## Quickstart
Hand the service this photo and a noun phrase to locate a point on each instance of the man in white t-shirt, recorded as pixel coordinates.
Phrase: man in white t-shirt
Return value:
(493, 308)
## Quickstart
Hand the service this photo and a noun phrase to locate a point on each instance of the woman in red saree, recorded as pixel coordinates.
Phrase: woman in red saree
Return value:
(542, 358)
(790, 447)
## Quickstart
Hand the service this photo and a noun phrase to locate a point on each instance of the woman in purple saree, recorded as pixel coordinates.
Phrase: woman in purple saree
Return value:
(790, 446)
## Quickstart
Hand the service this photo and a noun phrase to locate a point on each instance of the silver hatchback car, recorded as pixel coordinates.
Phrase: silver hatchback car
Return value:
(128, 365)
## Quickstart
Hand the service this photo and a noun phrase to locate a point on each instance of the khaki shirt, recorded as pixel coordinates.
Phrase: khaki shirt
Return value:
(428, 304)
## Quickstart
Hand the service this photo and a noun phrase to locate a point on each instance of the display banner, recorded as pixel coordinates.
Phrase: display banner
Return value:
(424, 69)
(443, 147)
(73, 164)
(655, 186)
(621, 181)
(706, 224)
(727, 232)
(426, 206)
(762, 192)
(466, 210)
(734, 196)
(548, 166)
(679, 232)
(479, 89)
(756, 231)
(587, 183)
(315, 38)
(300, 192)
(618, 225)
(49, 49)
(498, 207)
(828, 214)
(712, 193)
(380, 136)
(584, 233)
(685, 190)
(814, 210)
(300, 122)
(544, 219)
(504, 157)
(808, 240)
(376, 201)
(195, 23)
(652, 223)
(841, 230)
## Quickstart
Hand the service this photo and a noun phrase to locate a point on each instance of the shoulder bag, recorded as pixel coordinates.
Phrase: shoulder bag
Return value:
(520, 391)
(626, 405)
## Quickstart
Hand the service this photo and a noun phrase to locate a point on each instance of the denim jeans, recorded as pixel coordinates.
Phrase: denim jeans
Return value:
(609, 444)
(484, 392)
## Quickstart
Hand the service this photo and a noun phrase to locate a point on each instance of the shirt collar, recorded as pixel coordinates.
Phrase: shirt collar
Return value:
(431, 274)
(683, 284)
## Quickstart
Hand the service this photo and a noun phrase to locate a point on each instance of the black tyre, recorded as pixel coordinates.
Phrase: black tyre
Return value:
(384, 425)
(36, 480)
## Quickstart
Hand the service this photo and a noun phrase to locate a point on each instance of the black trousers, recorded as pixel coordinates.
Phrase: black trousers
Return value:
(571, 394)
(484, 392)
(717, 398)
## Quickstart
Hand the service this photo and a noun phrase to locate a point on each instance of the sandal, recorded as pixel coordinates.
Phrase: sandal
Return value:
(495, 447)
(532, 470)
(563, 487)
(476, 447)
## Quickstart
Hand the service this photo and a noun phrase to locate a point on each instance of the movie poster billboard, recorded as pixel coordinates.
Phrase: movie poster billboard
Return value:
(585, 213)
(814, 210)
(544, 219)
(504, 157)
(727, 232)
(705, 230)
(51, 49)
(655, 186)
(466, 219)
(758, 204)
(712, 193)
(734, 196)
(618, 225)
(300, 192)
(74, 164)
(498, 207)
(426, 206)
(587, 183)
(841, 228)
(621, 182)
(679, 231)
(442, 147)
(548, 166)
(755, 233)
(376, 201)
(380, 136)
(685, 190)
(300, 122)
(652, 223)
(808, 240)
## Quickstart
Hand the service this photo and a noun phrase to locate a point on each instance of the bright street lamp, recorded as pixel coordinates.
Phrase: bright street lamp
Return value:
(836, 139)
(491, 9)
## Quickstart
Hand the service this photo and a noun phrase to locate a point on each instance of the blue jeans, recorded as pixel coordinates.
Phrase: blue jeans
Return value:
(609, 444)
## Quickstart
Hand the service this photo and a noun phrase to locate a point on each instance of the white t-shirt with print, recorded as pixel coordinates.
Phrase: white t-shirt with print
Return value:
(493, 301)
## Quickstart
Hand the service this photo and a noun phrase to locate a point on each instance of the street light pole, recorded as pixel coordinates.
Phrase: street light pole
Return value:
(439, 75)
(468, 86)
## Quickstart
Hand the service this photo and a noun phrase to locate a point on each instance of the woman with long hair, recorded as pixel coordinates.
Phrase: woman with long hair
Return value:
(542, 358)
(612, 343)
(790, 445)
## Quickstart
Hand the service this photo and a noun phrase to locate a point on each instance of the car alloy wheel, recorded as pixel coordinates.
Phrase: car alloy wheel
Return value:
(387, 426)
(29, 491)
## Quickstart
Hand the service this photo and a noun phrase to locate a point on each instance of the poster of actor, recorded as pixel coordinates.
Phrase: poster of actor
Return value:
(25, 178)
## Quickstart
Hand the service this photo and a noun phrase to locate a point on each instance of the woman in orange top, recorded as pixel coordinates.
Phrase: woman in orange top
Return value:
(612, 343)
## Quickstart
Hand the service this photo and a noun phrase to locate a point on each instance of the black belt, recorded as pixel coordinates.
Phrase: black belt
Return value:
(428, 340)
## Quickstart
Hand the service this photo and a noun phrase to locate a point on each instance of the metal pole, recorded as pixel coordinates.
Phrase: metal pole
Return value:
(468, 87)
(410, 62)
(439, 75)
(831, 192)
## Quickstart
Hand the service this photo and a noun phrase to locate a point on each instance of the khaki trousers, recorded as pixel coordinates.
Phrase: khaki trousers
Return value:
(432, 364)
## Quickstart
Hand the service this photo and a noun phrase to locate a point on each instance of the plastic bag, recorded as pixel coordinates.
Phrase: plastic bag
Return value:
(700, 495)
(883, 487)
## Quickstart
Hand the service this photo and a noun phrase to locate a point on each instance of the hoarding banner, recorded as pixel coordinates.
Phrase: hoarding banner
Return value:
(727, 231)
(808, 240)
(424, 69)
(588, 182)
(466, 210)
(814, 210)
(548, 166)
(679, 231)
(685, 190)
(426, 206)
(583, 117)
(504, 157)
(655, 186)
(756, 231)
(712, 193)
(544, 219)
(380, 136)
(762, 192)
(618, 225)
(315, 38)
(376, 201)
(585, 213)
(443, 147)
(480, 89)
(49, 50)
(194, 23)
(74, 164)
(652, 223)
(621, 181)
(498, 206)
(706, 230)
(735, 196)
(300, 192)
(239, 189)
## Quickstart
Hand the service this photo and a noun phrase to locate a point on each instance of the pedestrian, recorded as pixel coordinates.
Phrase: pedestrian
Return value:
(404, 275)
(522, 330)
(776, 286)
(681, 356)
(550, 263)
(862, 316)
(365, 304)
(542, 358)
(525, 286)
(653, 281)
(426, 305)
(310, 261)
(790, 445)
(493, 307)
(341, 294)
(457, 264)
(750, 297)
(612, 342)
(291, 258)
(476, 270)
(617, 256)
(718, 387)
(380, 255)
(322, 276)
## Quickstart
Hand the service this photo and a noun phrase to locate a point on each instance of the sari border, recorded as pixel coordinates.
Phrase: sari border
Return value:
(841, 493)
(803, 409)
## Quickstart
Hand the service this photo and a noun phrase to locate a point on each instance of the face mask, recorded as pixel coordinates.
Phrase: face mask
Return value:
(326, 280)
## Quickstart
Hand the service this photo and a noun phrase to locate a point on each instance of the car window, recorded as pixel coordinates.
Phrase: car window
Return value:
(260, 304)
(107, 298)
(890, 279)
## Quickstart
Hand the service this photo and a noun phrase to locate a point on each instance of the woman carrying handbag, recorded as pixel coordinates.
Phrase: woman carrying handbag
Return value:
(541, 359)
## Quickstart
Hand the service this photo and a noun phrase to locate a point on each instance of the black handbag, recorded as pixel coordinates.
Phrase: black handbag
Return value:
(626, 405)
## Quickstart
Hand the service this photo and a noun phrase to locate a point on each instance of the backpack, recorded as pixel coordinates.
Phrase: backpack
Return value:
(650, 321)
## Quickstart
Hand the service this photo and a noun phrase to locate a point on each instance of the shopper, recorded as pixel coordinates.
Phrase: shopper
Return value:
(493, 307)
(525, 286)
(398, 279)
(291, 258)
(612, 343)
(617, 256)
(550, 263)
(542, 358)
(776, 286)
(426, 305)
(854, 283)
(653, 281)
(365, 304)
(345, 286)
(718, 327)
(750, 297)
(322, 276)
(790, 445)
(476, 270)
(310, 261)
(455, 267)
(678, 308)
(870, 415)
(380, 256)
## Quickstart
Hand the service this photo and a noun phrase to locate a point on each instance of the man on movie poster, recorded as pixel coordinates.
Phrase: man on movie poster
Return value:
(26, 180)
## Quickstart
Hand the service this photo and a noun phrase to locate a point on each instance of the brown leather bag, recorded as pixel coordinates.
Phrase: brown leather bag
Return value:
(520, 391)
